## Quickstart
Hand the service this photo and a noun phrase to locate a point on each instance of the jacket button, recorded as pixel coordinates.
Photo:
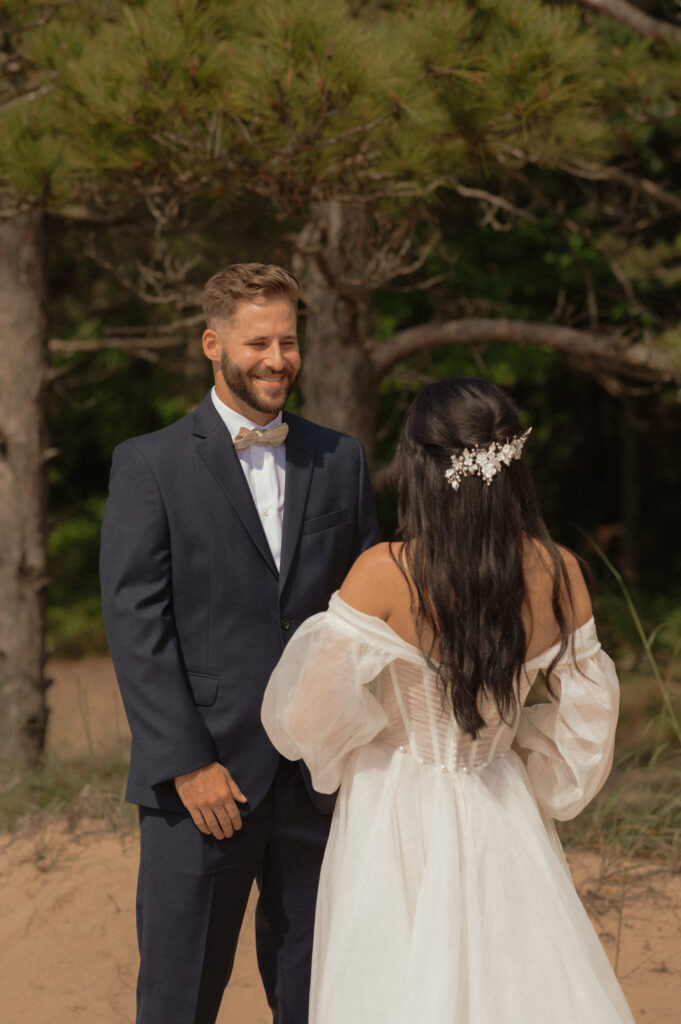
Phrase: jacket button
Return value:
(285, 623)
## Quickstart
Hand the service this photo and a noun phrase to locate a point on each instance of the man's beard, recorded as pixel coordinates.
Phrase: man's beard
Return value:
(240, 384)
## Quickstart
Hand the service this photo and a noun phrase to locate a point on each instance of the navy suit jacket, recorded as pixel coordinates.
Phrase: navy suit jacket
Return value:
(195, 610)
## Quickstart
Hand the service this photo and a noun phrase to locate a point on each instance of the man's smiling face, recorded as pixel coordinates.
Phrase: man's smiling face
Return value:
(258, 357)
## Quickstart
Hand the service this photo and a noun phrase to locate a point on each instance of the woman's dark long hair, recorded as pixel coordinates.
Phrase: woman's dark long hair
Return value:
(463, 550)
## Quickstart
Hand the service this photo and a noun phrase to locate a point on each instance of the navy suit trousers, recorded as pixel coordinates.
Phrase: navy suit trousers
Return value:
(192, 895)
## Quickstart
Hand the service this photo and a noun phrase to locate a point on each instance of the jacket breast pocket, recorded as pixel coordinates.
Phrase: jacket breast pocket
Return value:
(325, 522)
(204, 689)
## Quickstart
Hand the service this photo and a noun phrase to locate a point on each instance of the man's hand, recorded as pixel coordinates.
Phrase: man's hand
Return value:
(209, 794)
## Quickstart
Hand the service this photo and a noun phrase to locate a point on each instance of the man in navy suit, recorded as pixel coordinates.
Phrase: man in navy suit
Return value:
(218, 541)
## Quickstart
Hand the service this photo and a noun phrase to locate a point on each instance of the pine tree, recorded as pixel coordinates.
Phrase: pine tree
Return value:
(351, 121)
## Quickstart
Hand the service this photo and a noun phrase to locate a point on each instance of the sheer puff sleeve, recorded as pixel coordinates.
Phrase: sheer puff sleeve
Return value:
(318, 705)
(567, 745)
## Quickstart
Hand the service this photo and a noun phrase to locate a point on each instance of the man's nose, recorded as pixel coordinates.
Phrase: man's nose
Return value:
(274, 357)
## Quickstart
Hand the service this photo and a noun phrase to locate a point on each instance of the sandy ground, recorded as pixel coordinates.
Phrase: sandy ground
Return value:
(67, 933)
(67, 930)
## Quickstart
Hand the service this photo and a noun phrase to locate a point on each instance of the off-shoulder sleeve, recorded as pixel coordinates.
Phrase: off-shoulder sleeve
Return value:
(567, 745)
(318, 705)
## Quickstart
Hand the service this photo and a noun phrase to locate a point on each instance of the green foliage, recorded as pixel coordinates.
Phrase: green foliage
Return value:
(141, 85)
(543, 77)
(309, 99)
(654, 266)
(208, 132)
(74, 617)
(75, 629)
(32, 157)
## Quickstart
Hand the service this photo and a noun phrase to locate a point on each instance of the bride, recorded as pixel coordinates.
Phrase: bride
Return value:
(445, 897)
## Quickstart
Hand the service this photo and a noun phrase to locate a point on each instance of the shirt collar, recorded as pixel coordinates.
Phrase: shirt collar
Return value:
(234, 421)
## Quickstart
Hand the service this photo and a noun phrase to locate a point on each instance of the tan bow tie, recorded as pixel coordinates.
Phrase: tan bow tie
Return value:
(275, 437)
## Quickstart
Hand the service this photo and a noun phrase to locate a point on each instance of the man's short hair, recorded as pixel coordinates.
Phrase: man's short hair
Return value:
(246, 282)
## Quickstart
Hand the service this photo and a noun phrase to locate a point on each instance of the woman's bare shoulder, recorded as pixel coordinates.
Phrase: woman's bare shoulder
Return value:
(374, 579)
(539, 575)
(578, 608)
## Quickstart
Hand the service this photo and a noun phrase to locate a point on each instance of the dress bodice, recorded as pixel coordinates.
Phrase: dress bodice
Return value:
(421, 724)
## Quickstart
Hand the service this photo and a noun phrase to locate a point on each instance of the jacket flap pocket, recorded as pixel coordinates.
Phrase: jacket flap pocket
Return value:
(204, 688)
(317, 523)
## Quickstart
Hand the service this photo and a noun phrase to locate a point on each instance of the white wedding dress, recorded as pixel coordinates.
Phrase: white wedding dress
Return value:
(444, 896)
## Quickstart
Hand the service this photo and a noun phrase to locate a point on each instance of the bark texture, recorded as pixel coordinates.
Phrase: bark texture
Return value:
(23, 436)
(338, 385)
(637, 20)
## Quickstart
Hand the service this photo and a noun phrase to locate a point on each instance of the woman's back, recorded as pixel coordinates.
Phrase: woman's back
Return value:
(377, 585)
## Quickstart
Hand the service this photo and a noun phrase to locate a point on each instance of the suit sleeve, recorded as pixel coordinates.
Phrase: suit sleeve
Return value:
(168, 733)
(366, 527)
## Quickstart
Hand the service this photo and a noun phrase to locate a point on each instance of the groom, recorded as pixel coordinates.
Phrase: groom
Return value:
(222, 533)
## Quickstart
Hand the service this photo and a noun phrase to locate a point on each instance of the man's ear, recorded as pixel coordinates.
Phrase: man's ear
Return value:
(211, 345)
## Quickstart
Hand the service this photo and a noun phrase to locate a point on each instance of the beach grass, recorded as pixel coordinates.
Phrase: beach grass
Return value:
(72, 790)
(638, 813)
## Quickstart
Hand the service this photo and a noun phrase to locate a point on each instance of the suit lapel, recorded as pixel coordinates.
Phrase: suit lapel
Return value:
(215, 447)
(298, 476)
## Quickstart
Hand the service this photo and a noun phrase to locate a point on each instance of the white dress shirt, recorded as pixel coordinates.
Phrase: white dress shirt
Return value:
(264, 467)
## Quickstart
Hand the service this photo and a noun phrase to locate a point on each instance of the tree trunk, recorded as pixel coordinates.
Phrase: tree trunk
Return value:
(338, 384)
(23, 434)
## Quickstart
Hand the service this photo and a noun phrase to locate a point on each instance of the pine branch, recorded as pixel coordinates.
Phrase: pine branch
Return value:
(157, 330)
(10, 209)
(361, 129)
(158, 285)
(135, 345)
(80, 213)
(50, 10)
(627, 287)
(635, 19)
(636, 360)
(493, 203)
(26, 97)
(599, 172)
(397, 255)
